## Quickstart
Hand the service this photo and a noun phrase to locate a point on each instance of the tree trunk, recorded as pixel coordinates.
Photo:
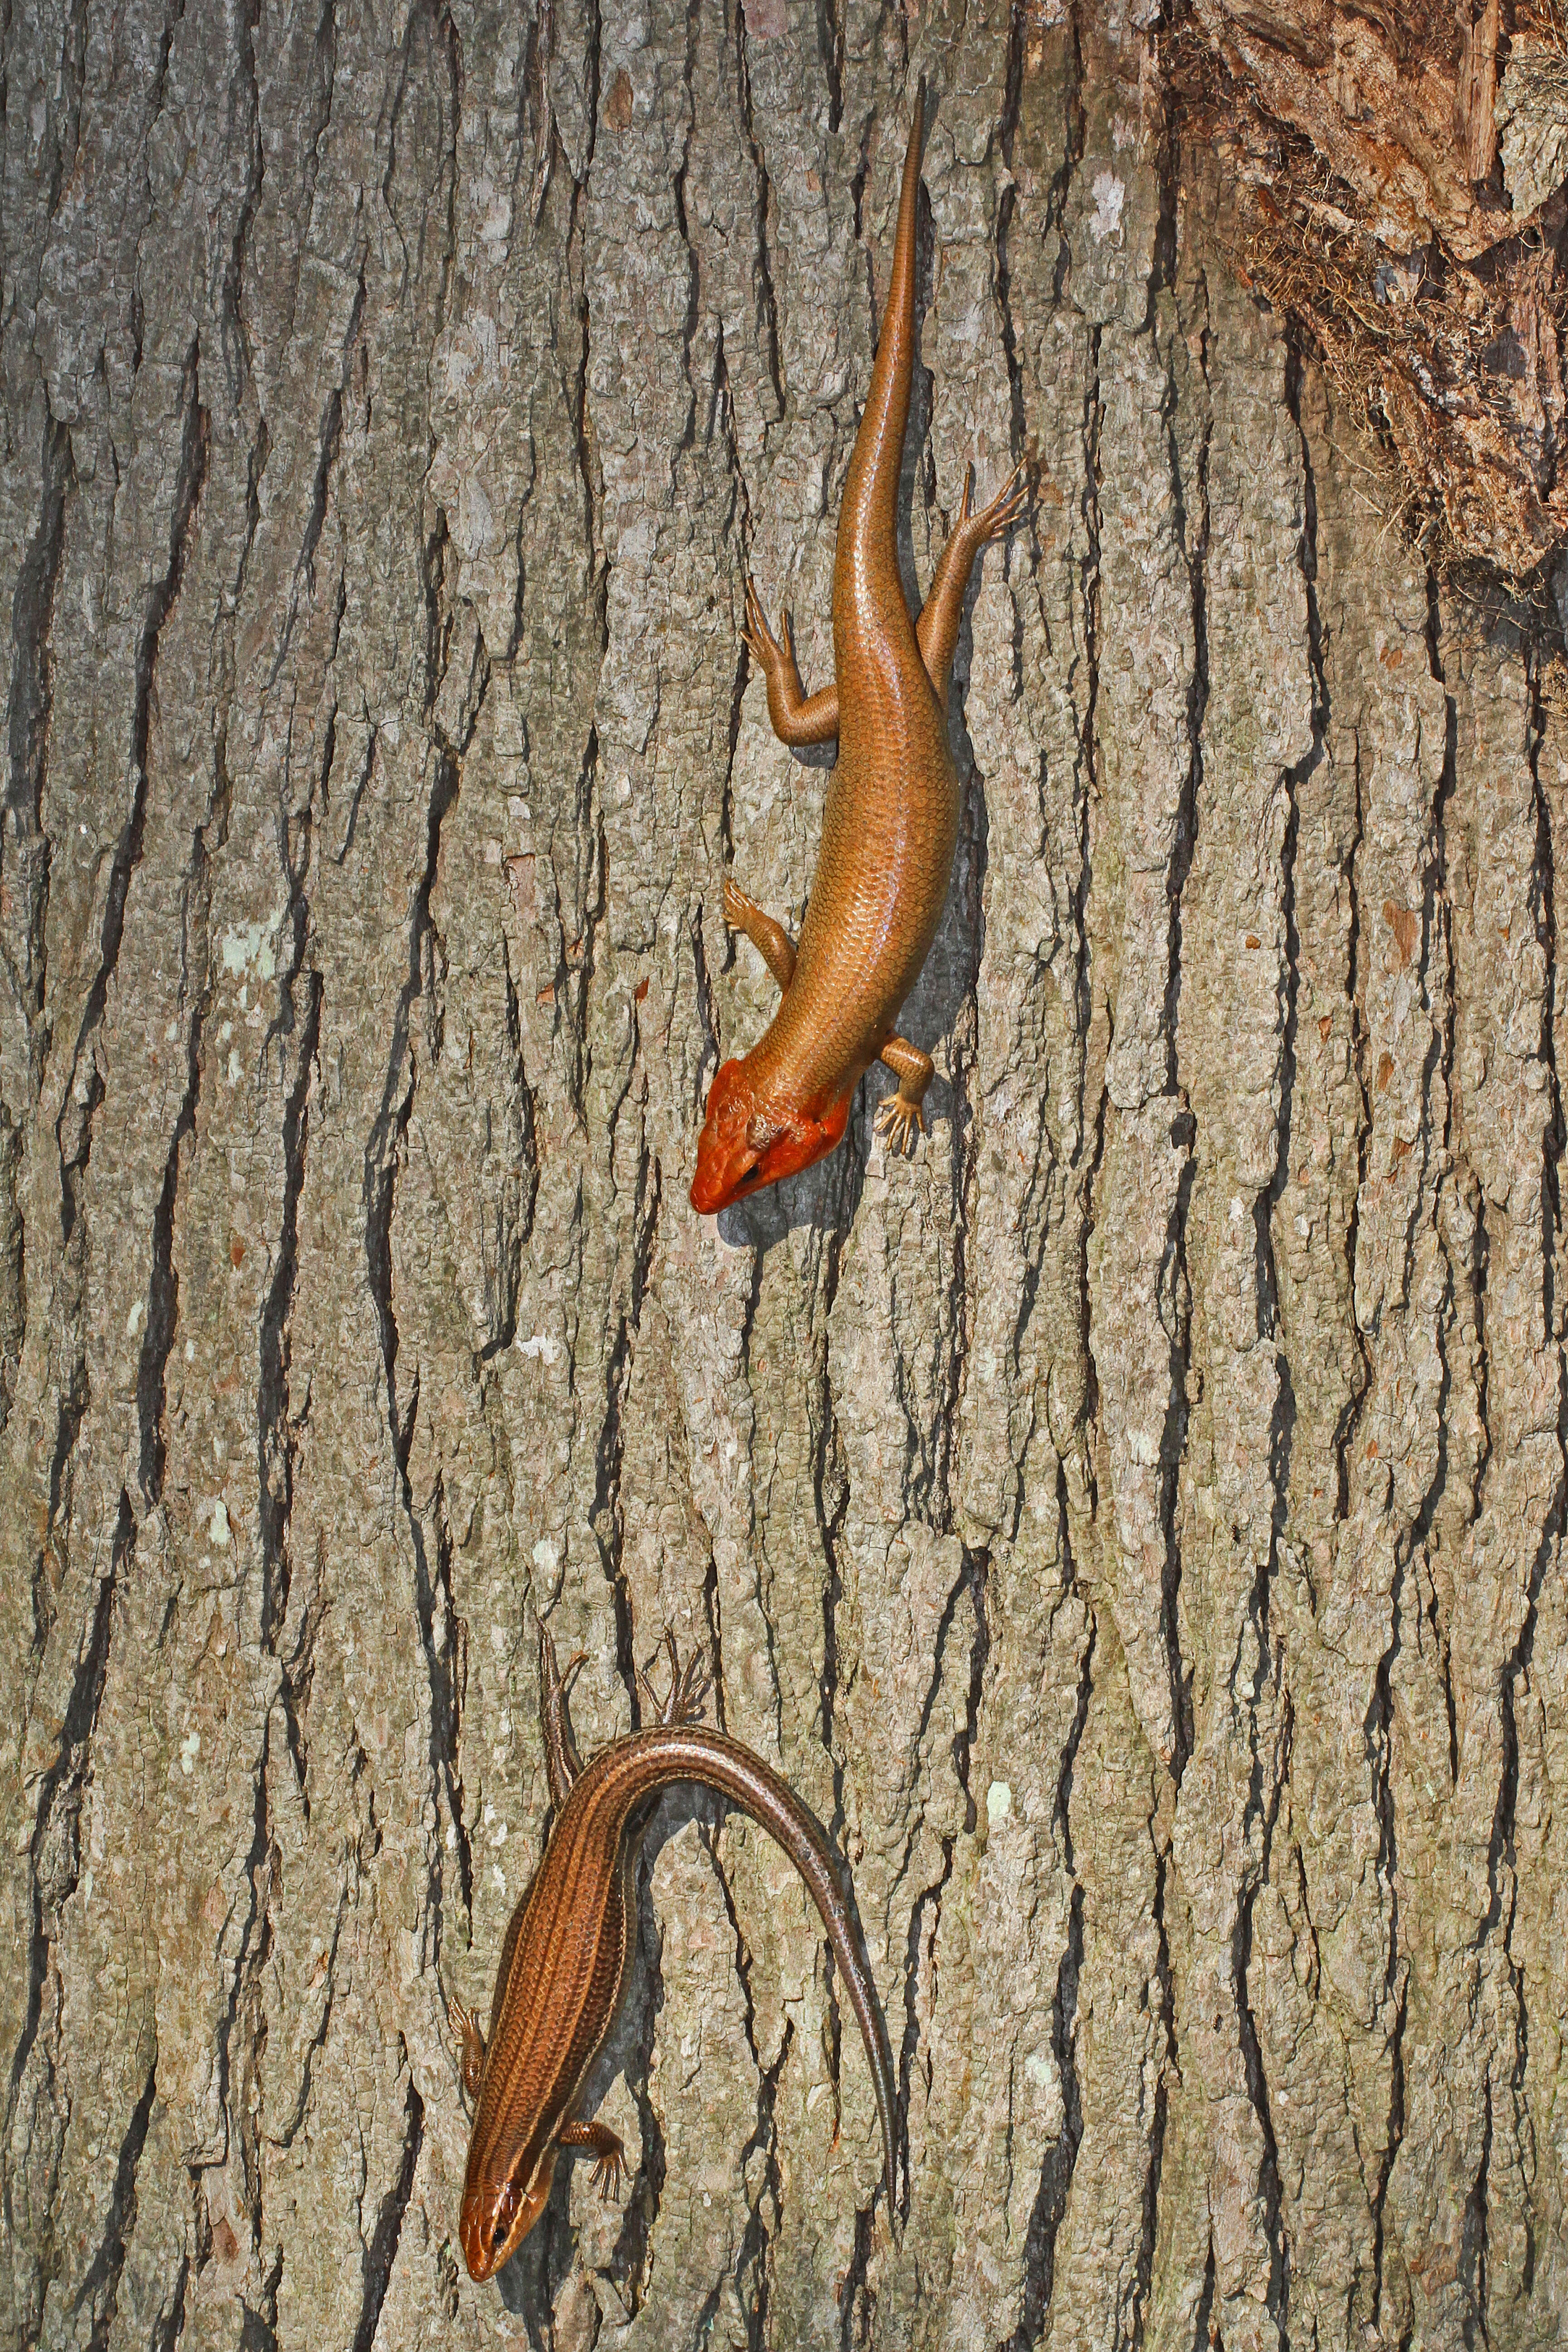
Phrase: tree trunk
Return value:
(1133, 1524)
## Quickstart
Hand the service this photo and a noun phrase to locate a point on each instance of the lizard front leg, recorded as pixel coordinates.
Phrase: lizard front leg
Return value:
(610, 2170)
(797, 717)
(471, 2041)
(770, 939)
(898, 1116)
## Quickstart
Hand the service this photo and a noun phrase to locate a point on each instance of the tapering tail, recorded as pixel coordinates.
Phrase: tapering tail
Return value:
(868, 516)
(692, 1752)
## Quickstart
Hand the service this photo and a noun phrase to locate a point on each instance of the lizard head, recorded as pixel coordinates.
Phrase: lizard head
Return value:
(747, 1143)
(501, 2203)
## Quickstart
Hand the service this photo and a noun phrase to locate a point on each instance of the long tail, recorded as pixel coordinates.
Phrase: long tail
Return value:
(868, 516)
(691, 1752)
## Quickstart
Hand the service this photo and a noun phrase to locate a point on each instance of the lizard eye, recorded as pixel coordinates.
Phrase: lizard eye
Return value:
(506, 2206)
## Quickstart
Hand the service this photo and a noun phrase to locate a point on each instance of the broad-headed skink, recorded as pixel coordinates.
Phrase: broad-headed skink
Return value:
(564, 1961)
(892, 816)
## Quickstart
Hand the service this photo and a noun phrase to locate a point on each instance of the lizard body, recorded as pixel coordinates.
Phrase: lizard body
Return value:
(563, 1960)
(890, 821)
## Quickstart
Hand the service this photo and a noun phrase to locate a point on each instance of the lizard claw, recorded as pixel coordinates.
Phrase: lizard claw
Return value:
(1009, 506)
(899, 1121)
(608, 2176)
(687, 1685)
(755, 634)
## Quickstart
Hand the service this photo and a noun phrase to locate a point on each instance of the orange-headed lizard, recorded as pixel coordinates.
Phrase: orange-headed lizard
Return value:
(891, 818)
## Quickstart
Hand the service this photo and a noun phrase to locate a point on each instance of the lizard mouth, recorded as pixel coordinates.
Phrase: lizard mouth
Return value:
(745, 1144)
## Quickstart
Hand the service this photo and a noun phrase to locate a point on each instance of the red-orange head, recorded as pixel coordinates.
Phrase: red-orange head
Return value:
(501, 2203)
(747, 1143)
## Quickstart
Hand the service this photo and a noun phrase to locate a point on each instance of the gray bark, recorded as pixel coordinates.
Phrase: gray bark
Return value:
(1135, 1525)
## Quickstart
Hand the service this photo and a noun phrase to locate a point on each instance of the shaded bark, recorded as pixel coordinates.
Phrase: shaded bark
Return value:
(1133, 1524)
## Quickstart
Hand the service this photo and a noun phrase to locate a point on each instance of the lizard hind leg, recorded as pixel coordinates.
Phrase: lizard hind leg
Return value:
(610, 2169)
(900, 1117)
(770, 939)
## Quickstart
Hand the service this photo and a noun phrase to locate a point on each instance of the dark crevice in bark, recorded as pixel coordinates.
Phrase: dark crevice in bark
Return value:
(323, 84)
(72, 83)
(258, 2321)
(99, 2290)
(284, 2129)
(303, 581)
(169, 2328)
(1057, 2171)
(707, 1012)
(74, 1137)
(1391, 2149)
(971, 1581)
(1165, 1977)
(693, 312)
(1175, 1283)
(511, 1220)
(196, 1000)
(767, 319)
(830, 1489)
(930, 1496)
(240, 2035)
(54, 1854)
(12, 1264)
(1086, 792)
(1472, 2252)
(70, 1409)
(1206, 2332)
(1348, 1427)
(1191, 524)
(830, 48)
(607, 1517)
(576, 960)
(1543, 910)
(377, 2257)
(1277, 2294)
(25, 853)
(1061, 2157)
(278, 1426)
(445, 1675)
(233, 340)
(387, 1140)
(1378, 1734)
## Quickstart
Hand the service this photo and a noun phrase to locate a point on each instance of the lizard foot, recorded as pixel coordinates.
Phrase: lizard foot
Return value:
(1009, 506)
(687, 1685)
(464, 2025)
(758, 638)
(899, 1121)
(737, 905)
(609, 2174)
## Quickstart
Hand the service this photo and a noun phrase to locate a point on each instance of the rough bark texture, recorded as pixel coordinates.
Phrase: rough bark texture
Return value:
(1135, 1525)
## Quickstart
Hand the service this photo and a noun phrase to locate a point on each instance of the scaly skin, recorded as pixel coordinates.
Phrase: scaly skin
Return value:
(562, 1964)
(892, 816)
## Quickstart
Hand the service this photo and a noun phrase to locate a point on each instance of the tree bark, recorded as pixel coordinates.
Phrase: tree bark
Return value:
(1133, 1524)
